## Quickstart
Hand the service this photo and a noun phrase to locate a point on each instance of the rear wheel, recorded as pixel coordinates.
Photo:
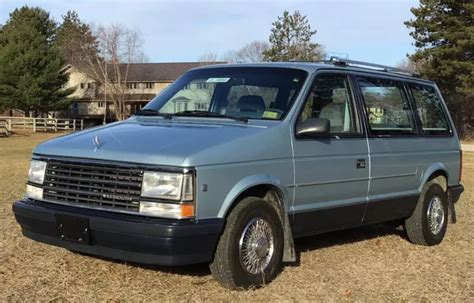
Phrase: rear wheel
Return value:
(249, 253)
(428, 223)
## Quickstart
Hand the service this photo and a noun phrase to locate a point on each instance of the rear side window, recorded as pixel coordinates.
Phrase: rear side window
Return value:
(430, 110)
(387, 108)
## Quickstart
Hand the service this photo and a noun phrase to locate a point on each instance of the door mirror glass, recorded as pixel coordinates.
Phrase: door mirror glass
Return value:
(314, 127)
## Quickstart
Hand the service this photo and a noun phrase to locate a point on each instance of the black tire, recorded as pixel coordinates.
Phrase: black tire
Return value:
(226, 267)
(417, 226)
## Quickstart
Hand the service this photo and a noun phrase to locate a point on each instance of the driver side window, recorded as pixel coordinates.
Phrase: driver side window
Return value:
(330, 98)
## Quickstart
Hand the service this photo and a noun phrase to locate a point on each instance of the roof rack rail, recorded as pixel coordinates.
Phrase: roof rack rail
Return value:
(346, 62)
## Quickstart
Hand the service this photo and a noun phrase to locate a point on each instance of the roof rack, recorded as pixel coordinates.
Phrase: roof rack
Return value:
(346, 62)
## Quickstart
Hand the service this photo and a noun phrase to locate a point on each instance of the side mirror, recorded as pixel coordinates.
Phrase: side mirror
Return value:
(314, 127)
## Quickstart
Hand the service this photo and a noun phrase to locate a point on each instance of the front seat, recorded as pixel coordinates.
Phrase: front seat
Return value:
(334, 112)
(251, 106)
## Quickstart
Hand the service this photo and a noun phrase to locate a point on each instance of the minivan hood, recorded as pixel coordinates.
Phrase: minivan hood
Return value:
(181, 142)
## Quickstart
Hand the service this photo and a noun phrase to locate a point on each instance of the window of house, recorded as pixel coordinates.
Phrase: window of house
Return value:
(89, 85)
(330, 98)
(82, 85)
(132, 85)
(181, 106)
(100, 104)
(386, 105)
(149, 85)
(202, 85)
(201, 106)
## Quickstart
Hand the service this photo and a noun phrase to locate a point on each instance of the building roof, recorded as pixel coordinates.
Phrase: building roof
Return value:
(159, 72)
(146, 72)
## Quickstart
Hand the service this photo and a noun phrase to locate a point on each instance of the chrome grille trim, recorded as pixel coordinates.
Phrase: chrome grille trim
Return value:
(93, 184)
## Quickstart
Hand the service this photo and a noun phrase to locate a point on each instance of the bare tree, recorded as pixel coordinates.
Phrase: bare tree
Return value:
(208, 57)
(409, 65)
(118, 48)
(250, 53)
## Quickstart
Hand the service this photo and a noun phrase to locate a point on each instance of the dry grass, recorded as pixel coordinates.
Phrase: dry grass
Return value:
(366, 264)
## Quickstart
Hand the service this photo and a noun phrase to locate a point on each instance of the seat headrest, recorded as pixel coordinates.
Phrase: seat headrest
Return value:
(250, 103)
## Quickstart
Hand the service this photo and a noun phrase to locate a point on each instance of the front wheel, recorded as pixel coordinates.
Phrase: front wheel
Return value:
(429, 221)
(250, 250)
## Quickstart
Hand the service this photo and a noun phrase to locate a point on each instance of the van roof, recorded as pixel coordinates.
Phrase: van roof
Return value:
(311, 67)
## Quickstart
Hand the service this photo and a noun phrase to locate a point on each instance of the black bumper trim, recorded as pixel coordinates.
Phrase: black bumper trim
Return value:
(125, 237)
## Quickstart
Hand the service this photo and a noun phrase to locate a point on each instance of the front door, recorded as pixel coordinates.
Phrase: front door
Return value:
(331, 172)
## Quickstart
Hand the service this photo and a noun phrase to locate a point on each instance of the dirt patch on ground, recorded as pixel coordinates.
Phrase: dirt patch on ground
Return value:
(366, 264)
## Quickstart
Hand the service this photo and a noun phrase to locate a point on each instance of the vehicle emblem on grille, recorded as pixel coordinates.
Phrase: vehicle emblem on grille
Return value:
(97, 142)
(116, 197)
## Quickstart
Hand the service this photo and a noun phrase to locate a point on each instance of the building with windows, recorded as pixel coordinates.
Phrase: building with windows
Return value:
(144, 81)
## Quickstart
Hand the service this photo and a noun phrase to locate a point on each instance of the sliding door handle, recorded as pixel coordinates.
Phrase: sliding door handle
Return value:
(360, 163)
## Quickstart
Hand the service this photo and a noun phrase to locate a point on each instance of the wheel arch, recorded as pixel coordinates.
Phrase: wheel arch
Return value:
(272, 191)
(436, 173)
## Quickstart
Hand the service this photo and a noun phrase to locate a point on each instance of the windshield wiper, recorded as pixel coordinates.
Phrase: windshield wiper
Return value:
(201, 113)
(153, 112)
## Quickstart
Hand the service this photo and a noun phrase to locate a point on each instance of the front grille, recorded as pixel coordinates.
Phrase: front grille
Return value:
(94, 185)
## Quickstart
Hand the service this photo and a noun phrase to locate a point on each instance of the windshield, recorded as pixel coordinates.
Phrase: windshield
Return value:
(237, 92)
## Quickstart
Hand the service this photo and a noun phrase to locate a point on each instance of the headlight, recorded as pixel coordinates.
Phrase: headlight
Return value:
(37, 171)
(168, 186)
(177, 188)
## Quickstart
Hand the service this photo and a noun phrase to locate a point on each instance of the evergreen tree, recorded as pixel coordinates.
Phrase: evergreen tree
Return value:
(290, 40)
(444, 36)
(31, 67)
(77, 44)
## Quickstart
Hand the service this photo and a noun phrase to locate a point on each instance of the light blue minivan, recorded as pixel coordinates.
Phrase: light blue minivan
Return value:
(231, 163)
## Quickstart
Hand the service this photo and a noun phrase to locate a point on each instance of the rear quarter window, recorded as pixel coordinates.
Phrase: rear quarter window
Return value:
(433, 118)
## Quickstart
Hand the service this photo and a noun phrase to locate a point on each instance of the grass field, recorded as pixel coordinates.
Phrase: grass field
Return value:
(366, 264)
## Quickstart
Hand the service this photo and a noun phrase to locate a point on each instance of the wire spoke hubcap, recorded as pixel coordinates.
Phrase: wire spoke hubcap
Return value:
(436, 215)
(256, 246)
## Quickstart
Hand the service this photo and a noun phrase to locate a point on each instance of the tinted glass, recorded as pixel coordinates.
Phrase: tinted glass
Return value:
(430, 110)
(387, 108)
(330, 98)
(255, 93)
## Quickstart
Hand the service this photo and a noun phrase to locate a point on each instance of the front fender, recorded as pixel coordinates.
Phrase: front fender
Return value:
(249, 182)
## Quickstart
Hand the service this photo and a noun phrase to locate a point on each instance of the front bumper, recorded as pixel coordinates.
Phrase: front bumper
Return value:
(124, 237)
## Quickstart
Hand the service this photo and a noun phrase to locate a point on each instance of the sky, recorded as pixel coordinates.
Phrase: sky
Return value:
(179, 30)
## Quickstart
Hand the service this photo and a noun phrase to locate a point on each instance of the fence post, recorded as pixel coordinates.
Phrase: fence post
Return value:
(82, 124)
(9, 125)
(55, 125)
(34, 125)
(74, 125)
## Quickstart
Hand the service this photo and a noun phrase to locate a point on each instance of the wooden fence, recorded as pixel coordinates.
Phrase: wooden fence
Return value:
(9, 124)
